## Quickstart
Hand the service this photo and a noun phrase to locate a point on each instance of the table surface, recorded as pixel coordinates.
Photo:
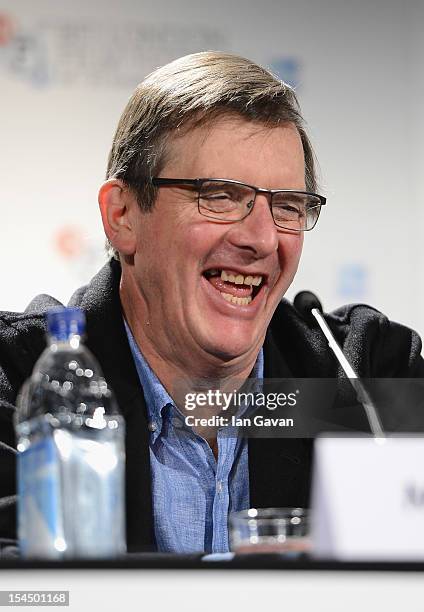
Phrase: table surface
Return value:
(156, 582)
(156, 561)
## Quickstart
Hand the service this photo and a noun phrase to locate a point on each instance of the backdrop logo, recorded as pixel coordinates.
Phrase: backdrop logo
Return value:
(288, 69)
(80, 253)
(7, 29)
(352, 281)
(78, 52)
(69, 241)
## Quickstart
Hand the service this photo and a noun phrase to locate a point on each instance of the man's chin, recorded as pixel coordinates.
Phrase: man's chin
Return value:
(235, 345)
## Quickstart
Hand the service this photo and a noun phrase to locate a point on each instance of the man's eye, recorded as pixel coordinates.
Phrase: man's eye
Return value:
(291, 209)
(216, 196)
(288, 213)
(288, 208)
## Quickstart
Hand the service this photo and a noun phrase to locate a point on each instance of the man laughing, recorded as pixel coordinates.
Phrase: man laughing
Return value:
(210, 189)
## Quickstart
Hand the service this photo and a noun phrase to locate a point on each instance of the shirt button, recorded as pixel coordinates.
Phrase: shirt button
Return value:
(219, 486)
(177, 423)
(152, 426)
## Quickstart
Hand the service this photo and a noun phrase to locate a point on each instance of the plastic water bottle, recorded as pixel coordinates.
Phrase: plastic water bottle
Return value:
(71, 451)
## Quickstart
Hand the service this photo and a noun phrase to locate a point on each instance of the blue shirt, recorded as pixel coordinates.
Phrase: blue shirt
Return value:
(192, 492)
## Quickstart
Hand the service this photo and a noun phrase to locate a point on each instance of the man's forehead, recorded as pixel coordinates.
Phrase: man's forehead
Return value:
(220, 125)
(221, 136)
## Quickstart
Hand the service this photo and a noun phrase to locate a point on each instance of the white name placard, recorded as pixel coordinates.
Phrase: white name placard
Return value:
(368, 498)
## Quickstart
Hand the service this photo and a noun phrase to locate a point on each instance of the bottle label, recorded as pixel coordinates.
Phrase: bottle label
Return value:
(40, 514)
(71, 494)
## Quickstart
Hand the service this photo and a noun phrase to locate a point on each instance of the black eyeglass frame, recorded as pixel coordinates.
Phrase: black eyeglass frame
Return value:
(198, 182)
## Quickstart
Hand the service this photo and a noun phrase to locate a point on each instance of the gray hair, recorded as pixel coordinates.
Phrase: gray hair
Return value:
(189, 92)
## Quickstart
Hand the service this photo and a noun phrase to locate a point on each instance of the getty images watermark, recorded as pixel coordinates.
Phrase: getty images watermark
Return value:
(241, 404)
(295, 407)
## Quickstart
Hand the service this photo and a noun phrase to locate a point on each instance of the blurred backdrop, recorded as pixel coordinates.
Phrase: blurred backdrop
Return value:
(68, 68)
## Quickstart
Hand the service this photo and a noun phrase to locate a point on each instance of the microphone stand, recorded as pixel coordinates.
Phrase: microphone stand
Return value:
(361, 392)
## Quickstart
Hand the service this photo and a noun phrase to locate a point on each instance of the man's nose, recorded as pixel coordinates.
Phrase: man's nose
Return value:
(256, 232)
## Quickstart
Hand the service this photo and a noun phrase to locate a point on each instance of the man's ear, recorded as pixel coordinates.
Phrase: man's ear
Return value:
(117, 206)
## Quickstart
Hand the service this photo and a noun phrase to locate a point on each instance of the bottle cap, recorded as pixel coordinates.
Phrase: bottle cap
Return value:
(65, 322)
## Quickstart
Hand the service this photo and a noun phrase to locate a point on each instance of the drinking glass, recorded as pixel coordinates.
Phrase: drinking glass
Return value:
(270, 530)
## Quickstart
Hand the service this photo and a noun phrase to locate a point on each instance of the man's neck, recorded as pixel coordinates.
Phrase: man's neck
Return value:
(198, 374)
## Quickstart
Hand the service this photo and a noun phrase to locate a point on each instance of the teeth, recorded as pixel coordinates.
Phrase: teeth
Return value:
(240, 301)
(240, 279)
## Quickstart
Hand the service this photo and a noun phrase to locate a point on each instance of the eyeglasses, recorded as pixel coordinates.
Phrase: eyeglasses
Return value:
(226, 200)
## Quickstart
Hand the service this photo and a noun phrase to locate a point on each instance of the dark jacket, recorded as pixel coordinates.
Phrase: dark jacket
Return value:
(279, 469)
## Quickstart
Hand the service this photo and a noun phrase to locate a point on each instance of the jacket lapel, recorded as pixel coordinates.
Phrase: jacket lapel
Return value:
(279, 468)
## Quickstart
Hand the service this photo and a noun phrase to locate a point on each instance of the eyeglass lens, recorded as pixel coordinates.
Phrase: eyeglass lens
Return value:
(226, 201)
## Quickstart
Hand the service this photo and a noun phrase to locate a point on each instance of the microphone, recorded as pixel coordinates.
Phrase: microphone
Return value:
(305, 302)
(309, 307)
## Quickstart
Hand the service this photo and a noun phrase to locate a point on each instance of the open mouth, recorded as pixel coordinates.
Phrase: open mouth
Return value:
(234, 287)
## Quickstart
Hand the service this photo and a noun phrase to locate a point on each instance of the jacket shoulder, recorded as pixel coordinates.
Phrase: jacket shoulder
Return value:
(374, 345)
(22, 339)
(380, 347)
